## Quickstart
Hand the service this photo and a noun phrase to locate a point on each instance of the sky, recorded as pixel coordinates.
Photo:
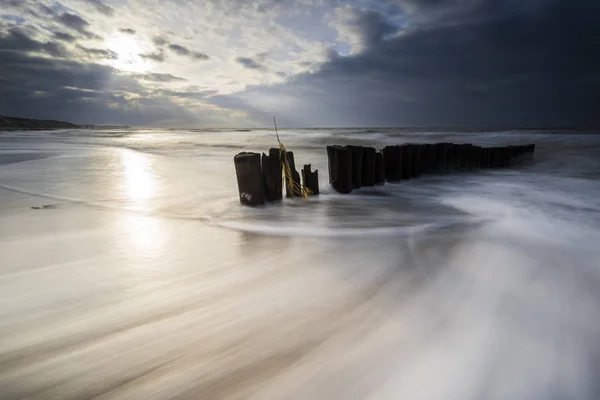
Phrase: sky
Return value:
(310, 63)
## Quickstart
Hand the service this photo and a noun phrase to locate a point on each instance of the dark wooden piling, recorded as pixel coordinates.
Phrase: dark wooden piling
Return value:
(392, 159)
(294, 189)
(465, 156)
(311, 180)
(486, 158)
(357, 157)
(272, 177)
(368, 166)
(497, 157)
(428, 160)
(406, 161)
(379, 169)
(529, 150)
(415, 167)
(506, 156)
(476, 155)
(250, 178)
(440, 157)
(453, 157)
(340, 168)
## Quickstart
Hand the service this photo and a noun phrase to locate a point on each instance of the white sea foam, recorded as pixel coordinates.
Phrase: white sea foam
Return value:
(146, 279)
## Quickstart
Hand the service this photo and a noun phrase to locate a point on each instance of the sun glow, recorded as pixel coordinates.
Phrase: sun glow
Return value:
(139, 182)
(128, 54)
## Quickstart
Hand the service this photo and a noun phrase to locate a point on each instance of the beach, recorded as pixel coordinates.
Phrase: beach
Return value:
(130, 270)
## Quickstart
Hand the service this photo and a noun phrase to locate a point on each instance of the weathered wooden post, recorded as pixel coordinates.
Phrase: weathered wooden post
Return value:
(529, 150)
(292, 190)
(272, 178)
(357, 156)
(406, 161)
(368, 166)
(506, 155)
(487, 158)
(465, 151)
(392, 158)
(440, 156)
(497, 155)
(451, 156)
(429, 161)
(476, 153)
(340, 168)
(379, 169)
(250, 178)
(415, 169)
(311, 180)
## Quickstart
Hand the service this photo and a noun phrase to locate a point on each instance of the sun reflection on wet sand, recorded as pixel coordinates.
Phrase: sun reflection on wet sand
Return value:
(139, 183)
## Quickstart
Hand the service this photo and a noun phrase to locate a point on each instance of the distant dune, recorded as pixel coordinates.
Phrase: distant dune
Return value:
(13, 123)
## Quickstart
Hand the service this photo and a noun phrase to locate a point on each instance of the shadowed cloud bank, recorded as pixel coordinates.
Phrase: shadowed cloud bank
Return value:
(380, 63)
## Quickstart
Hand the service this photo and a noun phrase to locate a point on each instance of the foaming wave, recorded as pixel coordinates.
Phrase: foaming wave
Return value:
(323, 232)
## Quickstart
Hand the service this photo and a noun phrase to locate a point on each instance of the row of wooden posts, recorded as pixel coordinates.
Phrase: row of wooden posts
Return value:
(259, 176)
(352, 167)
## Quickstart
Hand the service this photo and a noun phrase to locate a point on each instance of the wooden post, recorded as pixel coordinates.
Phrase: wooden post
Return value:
(368, 166)
(250, 178)
(496, 157)
(357, 161)
(292, 191)
(428, 158)
(379, 169)
(529, 150)
(486, 158)
(392, 159)
(456, 156)
(310, 179)
(415, 169)
(441, 156)
(476, 157)
(465, 151)
(272, 177)
(406, 161)
(506, 152)
(340, 168)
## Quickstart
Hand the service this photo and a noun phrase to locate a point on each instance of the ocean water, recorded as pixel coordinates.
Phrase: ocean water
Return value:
(128, 270)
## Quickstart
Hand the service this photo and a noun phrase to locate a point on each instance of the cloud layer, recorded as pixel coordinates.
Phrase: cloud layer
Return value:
(311, 62)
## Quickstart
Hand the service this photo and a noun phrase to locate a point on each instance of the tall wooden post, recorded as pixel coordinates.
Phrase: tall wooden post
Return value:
(310, 179)
(272, 177)
(249, 178)
(340, 168)
(292, 191)
(368, 166)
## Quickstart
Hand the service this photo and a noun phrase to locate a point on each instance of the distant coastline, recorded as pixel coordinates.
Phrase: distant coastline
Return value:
(19, 124)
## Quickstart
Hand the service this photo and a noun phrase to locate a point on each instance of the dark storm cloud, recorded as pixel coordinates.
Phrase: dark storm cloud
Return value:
(65, 37)
(159, 41)
(99, 53)
(102, 8)
(38, 87)
(158, 56)
(158, 77)
(501, 63)
(249, 63)
(76, 23)
(184, 51)
(17, 40)
(189, 94)
(129, 31)
(368, 26)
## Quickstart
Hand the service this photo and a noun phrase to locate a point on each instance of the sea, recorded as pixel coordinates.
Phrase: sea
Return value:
(129, 270)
